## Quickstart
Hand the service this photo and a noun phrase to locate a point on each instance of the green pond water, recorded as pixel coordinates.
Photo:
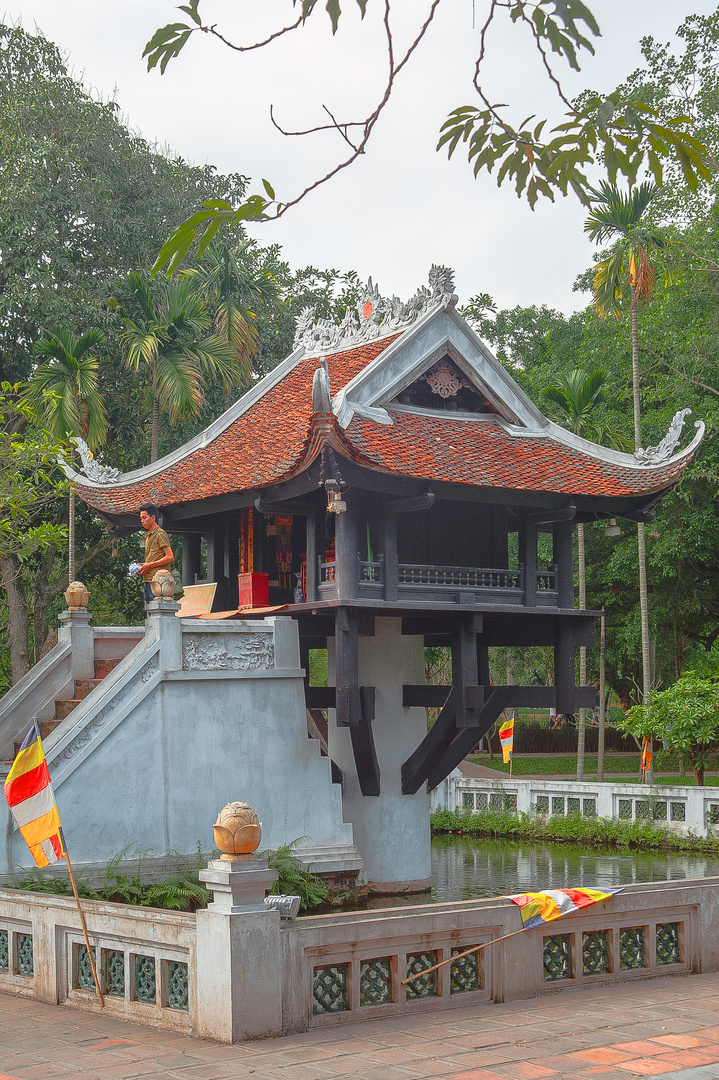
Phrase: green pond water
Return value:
(464, 867)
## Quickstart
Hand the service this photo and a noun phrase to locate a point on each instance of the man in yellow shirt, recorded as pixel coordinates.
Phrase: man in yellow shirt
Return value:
(158, 552)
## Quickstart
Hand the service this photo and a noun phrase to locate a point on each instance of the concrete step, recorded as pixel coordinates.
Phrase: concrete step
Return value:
(104, 667)
(330, 859)
(83, 687)
(64, 708)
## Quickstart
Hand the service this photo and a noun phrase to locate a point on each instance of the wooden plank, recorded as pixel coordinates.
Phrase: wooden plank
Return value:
(363, 747)
(523, 697)
(418, 765)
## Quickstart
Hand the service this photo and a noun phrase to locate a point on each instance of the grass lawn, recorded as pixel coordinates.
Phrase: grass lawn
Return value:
(565, 767)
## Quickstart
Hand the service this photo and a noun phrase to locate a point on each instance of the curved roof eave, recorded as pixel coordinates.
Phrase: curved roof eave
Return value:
(205, 437)
(617, 457)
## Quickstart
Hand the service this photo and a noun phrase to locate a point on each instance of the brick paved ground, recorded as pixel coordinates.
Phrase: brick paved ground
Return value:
(665, 1027)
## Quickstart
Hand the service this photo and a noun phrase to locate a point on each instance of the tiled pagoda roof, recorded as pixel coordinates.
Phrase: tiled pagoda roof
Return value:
(272, 434)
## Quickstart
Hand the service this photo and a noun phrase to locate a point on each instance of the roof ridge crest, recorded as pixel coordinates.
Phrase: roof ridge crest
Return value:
(376, 316)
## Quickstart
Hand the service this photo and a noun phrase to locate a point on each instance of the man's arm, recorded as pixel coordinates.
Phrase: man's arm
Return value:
(167, 558)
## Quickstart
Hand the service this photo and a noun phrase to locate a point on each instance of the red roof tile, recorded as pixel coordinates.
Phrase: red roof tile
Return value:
(484, 455)
(277, 438)
(263, 446)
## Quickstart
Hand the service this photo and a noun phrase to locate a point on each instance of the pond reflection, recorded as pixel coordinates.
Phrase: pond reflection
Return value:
(463, 868)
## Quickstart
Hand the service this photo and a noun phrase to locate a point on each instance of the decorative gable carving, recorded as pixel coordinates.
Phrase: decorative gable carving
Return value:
(444, 386)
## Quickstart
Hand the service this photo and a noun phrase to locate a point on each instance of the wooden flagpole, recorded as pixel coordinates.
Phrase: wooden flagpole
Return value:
(468, 952)
(81, 913)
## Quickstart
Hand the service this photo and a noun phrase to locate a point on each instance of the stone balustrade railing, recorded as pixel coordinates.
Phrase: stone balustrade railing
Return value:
(681, 809)
(233, 972)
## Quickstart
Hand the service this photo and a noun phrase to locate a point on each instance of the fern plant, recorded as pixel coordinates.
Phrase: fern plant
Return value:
(293, 879)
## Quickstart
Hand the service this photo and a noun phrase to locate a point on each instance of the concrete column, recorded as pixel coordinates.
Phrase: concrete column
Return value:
(191, 557)
(75, 628)
(391, 830)
(239, 955)
(160, 621)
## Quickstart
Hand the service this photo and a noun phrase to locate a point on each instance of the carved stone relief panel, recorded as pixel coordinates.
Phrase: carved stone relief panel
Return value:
(227, 652)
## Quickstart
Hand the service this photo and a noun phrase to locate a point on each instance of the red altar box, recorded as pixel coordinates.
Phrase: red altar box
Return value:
(254, 590)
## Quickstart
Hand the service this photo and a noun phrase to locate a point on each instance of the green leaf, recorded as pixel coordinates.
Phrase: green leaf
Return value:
(268, 188)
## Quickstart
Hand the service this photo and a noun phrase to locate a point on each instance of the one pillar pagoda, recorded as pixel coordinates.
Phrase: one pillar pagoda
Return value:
(389, 482)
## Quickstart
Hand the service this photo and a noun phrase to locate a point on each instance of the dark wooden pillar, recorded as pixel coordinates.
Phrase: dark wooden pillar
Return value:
(528, 558)
(346, 569)
(315, 548)
(232, 563)
(464, 669)
(191, 558)
(347, 694)
(210, 569)
(564, 666)
(391, 564)
(564, 559)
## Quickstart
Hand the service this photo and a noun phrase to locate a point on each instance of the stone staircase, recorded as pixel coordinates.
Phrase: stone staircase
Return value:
(82, 687)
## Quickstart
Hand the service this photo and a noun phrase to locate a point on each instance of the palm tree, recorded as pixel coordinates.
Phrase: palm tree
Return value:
(236, 293)
(169, 333)
(572, 402)
(63, 394)
(627, 273)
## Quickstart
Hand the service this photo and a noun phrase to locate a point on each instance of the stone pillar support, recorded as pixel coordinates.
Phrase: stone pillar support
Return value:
(239, 956)
(75, 630)
(162, 624)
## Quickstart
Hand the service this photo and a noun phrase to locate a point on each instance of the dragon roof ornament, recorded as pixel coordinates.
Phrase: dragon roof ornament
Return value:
(657, 455)
(374, 315)
(100, 474)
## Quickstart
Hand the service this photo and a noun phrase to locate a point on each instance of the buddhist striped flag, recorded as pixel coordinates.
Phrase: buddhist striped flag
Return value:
(543, 907)
(31, 800)
(506, 738)
(646, 761)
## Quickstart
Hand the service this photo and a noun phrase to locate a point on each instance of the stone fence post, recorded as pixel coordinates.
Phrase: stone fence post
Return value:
(239, 955)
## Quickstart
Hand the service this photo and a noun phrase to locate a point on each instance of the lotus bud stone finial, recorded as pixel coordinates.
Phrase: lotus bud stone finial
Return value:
(237, 831)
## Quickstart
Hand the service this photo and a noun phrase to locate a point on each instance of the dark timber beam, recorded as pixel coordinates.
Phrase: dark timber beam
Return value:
(320, 697)
(545, 517)
(410, 506)
(464, 668)
(347, 699)
(523, 697)
(363, 747)
(499, 698)
(434, 745)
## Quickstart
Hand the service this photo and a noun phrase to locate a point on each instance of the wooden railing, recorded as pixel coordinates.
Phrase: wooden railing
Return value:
(460, 576)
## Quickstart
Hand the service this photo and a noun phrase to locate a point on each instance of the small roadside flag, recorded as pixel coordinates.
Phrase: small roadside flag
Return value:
(646, 762)
(29, 795)
(506, 738)
(537, 908)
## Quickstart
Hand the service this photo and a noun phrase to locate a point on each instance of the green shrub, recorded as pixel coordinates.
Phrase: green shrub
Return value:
(573, 827)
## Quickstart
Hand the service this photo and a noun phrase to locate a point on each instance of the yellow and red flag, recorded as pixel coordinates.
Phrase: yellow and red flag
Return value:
(646, 762)
(29, 795)
(537, 908)
(506, 738)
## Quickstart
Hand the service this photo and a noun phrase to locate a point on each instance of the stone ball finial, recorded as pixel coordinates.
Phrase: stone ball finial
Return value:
(163, 584)
(76, 596)
(237, 831)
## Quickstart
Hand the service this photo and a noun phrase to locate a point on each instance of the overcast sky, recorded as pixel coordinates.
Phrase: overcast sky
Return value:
(403, 206)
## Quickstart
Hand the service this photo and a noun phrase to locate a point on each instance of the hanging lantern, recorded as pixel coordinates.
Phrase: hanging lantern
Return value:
(335, 502)
(612, 528)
